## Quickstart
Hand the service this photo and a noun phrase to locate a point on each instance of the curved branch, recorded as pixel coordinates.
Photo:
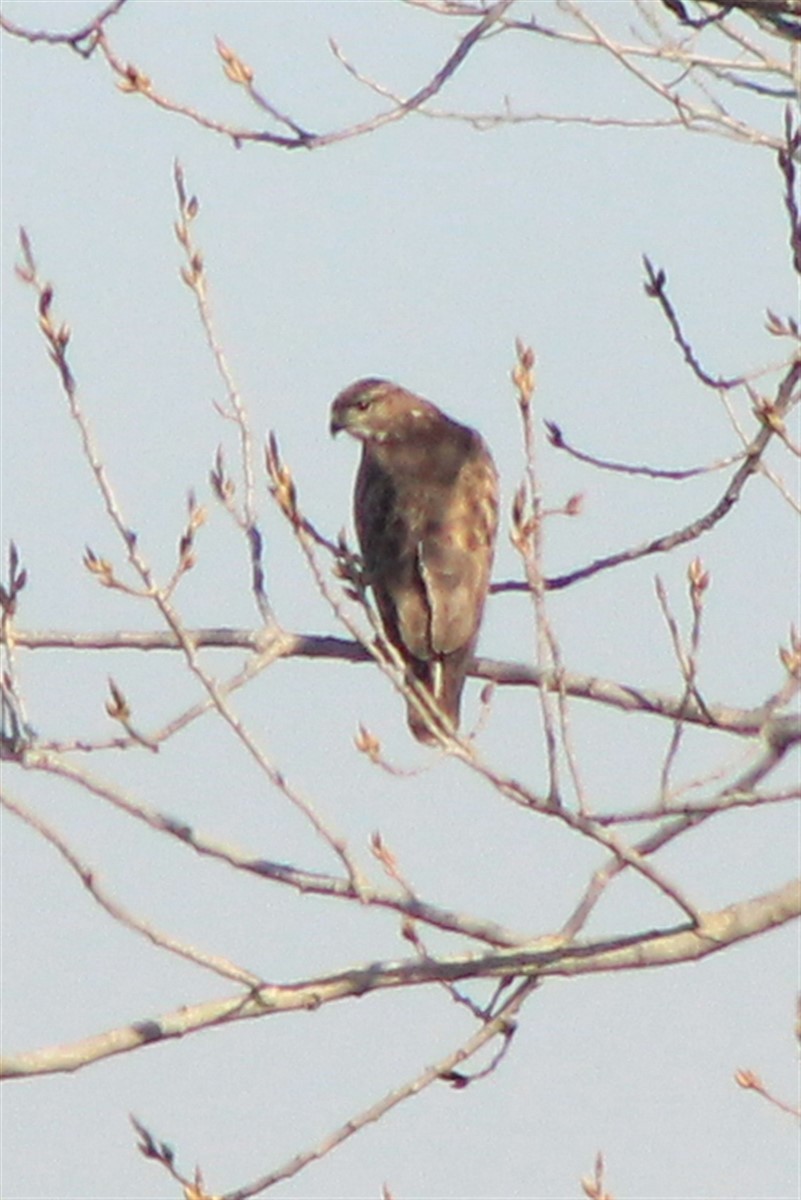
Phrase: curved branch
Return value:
(669, 541)
(118, 912)
(87, 33)
(305, 882)
(654, 948)
(502, 1025)
(135, 81)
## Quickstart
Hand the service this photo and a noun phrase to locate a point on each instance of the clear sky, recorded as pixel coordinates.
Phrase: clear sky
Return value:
(418, 253)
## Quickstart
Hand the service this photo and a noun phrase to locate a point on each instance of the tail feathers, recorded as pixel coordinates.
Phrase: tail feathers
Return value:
(443, 678)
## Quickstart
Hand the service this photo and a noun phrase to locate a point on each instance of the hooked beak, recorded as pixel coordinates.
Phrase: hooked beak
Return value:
(339, 418)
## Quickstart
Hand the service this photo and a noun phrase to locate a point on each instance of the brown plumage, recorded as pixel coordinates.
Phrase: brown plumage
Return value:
(426, 512)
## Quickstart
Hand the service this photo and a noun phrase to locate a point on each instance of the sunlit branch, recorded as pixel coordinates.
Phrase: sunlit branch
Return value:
(659, 948)
(501, 1026)
(743, 722)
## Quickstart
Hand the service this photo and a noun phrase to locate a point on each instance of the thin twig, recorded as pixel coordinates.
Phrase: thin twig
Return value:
(136, 81)
(194, 276)
(88, 877)
(501, 1026)
(687, 659)
(87, 33)
(527, 536)
(787, 158)
(303, 881)
(57, 339)
(558, 440)
(750, 466)
(750, 1081)
(657, 290)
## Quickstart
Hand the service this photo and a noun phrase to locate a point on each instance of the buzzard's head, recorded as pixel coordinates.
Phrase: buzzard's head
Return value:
(375, 410)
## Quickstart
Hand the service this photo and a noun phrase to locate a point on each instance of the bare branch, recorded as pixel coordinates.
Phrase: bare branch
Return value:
(627, 697)
(89, 879)
(58, 340)
(750, 1081)
(559, 442)
(83, 40)
(716, 931)
(194, 276)
(787, 160)
(527, 537)
(786, 397)
(303, 881)
(501, 1026)
(134, 80)
(686, 657)
(656, 289)
(743, 70)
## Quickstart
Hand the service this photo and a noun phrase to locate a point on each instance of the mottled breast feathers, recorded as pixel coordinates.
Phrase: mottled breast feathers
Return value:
(426, 514)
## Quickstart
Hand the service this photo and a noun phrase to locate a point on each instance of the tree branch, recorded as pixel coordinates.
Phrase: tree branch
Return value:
(86, 34)
(657, 948)
(743, 722)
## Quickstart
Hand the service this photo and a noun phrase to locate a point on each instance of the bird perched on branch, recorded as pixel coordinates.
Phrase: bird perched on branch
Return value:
(426, 513)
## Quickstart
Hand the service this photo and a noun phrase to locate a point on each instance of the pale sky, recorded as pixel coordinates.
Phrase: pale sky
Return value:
(418, 253)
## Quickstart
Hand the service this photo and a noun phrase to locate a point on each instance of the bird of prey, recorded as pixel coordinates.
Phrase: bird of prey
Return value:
(426, 514)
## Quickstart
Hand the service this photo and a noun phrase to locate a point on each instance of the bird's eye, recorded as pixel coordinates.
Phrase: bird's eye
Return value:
(362, 402)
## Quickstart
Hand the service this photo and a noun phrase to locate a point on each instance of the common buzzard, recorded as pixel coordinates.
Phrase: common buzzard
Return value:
(426, 513)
